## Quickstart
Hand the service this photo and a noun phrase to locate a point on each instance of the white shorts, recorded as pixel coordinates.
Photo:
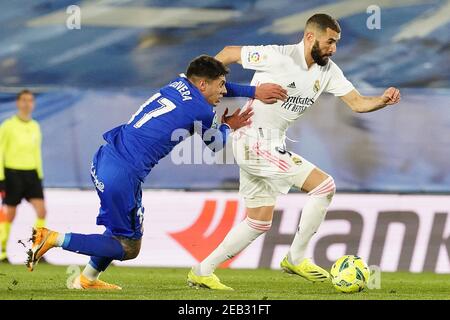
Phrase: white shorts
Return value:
(267, 169)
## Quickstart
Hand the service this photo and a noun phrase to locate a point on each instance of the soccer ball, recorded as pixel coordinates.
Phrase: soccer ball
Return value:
(349, 274)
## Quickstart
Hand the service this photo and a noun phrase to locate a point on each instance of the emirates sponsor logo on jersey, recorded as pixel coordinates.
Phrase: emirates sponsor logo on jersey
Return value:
(297, 104)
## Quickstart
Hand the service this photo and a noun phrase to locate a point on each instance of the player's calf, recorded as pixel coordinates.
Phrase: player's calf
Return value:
(96, 245)
(240, 237)
(131, 247)
(313, 214)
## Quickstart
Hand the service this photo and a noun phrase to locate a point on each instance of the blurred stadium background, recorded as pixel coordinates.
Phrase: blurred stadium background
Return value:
(391, 167)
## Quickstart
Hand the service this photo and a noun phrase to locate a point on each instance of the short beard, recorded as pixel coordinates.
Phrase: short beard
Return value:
(317, 57)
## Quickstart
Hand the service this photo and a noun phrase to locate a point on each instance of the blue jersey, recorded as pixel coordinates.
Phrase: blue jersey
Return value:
(147, 137)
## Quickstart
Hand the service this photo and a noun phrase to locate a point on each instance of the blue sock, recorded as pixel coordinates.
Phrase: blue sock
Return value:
(100, 264)
(96, 245)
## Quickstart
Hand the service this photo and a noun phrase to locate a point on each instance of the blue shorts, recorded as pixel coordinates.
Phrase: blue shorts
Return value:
(120, 193)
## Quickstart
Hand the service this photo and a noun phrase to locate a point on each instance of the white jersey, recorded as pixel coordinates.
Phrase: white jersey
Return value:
(286, 66)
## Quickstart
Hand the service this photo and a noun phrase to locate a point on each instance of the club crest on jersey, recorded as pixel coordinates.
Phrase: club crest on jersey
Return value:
(254, 57)
(316, 86)
(297, 160)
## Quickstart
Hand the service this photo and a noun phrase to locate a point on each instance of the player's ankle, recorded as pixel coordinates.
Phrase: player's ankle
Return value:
(90, 272)
(198, 270)
(61, 238)
(294, 259)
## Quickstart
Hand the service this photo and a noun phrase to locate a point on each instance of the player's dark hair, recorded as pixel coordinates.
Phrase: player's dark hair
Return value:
(322, 21)
(22, 92)
(206, 66)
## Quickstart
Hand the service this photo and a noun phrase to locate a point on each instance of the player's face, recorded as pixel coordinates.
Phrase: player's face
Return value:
(25, 104)
(324, 46)
(215, 90)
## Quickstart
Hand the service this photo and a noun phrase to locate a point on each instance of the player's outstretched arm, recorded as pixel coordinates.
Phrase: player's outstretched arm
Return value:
(266, 92)
(229, 55)
(359, 103)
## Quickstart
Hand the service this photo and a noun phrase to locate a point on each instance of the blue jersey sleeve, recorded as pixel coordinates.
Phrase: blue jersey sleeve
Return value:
(239, 90)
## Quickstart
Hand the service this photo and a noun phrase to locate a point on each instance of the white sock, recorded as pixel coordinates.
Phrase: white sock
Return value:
(60, 239)
(90, 272)
(313, 214)
(236, 240)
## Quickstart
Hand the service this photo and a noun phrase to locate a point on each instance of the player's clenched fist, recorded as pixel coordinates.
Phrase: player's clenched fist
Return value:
(238, 120)
(270, 92)
(391, 96)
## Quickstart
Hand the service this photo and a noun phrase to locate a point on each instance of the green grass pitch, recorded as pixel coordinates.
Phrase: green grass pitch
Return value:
(49, 282)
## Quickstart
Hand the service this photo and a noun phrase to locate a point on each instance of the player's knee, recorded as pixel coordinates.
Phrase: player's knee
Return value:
(131, 248)
(332, 186)
(325, 188)
(259, 225)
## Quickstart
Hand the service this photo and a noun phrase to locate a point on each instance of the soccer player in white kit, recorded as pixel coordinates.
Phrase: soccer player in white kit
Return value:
(267, 169)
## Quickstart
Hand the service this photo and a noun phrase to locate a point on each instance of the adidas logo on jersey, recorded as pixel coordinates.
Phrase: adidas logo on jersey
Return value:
(292, 85)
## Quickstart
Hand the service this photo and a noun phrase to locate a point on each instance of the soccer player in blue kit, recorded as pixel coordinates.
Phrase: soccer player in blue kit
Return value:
(120, 166)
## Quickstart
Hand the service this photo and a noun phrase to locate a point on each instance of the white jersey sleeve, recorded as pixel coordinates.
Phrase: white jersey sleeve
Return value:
(261, 58)
(338, 84)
